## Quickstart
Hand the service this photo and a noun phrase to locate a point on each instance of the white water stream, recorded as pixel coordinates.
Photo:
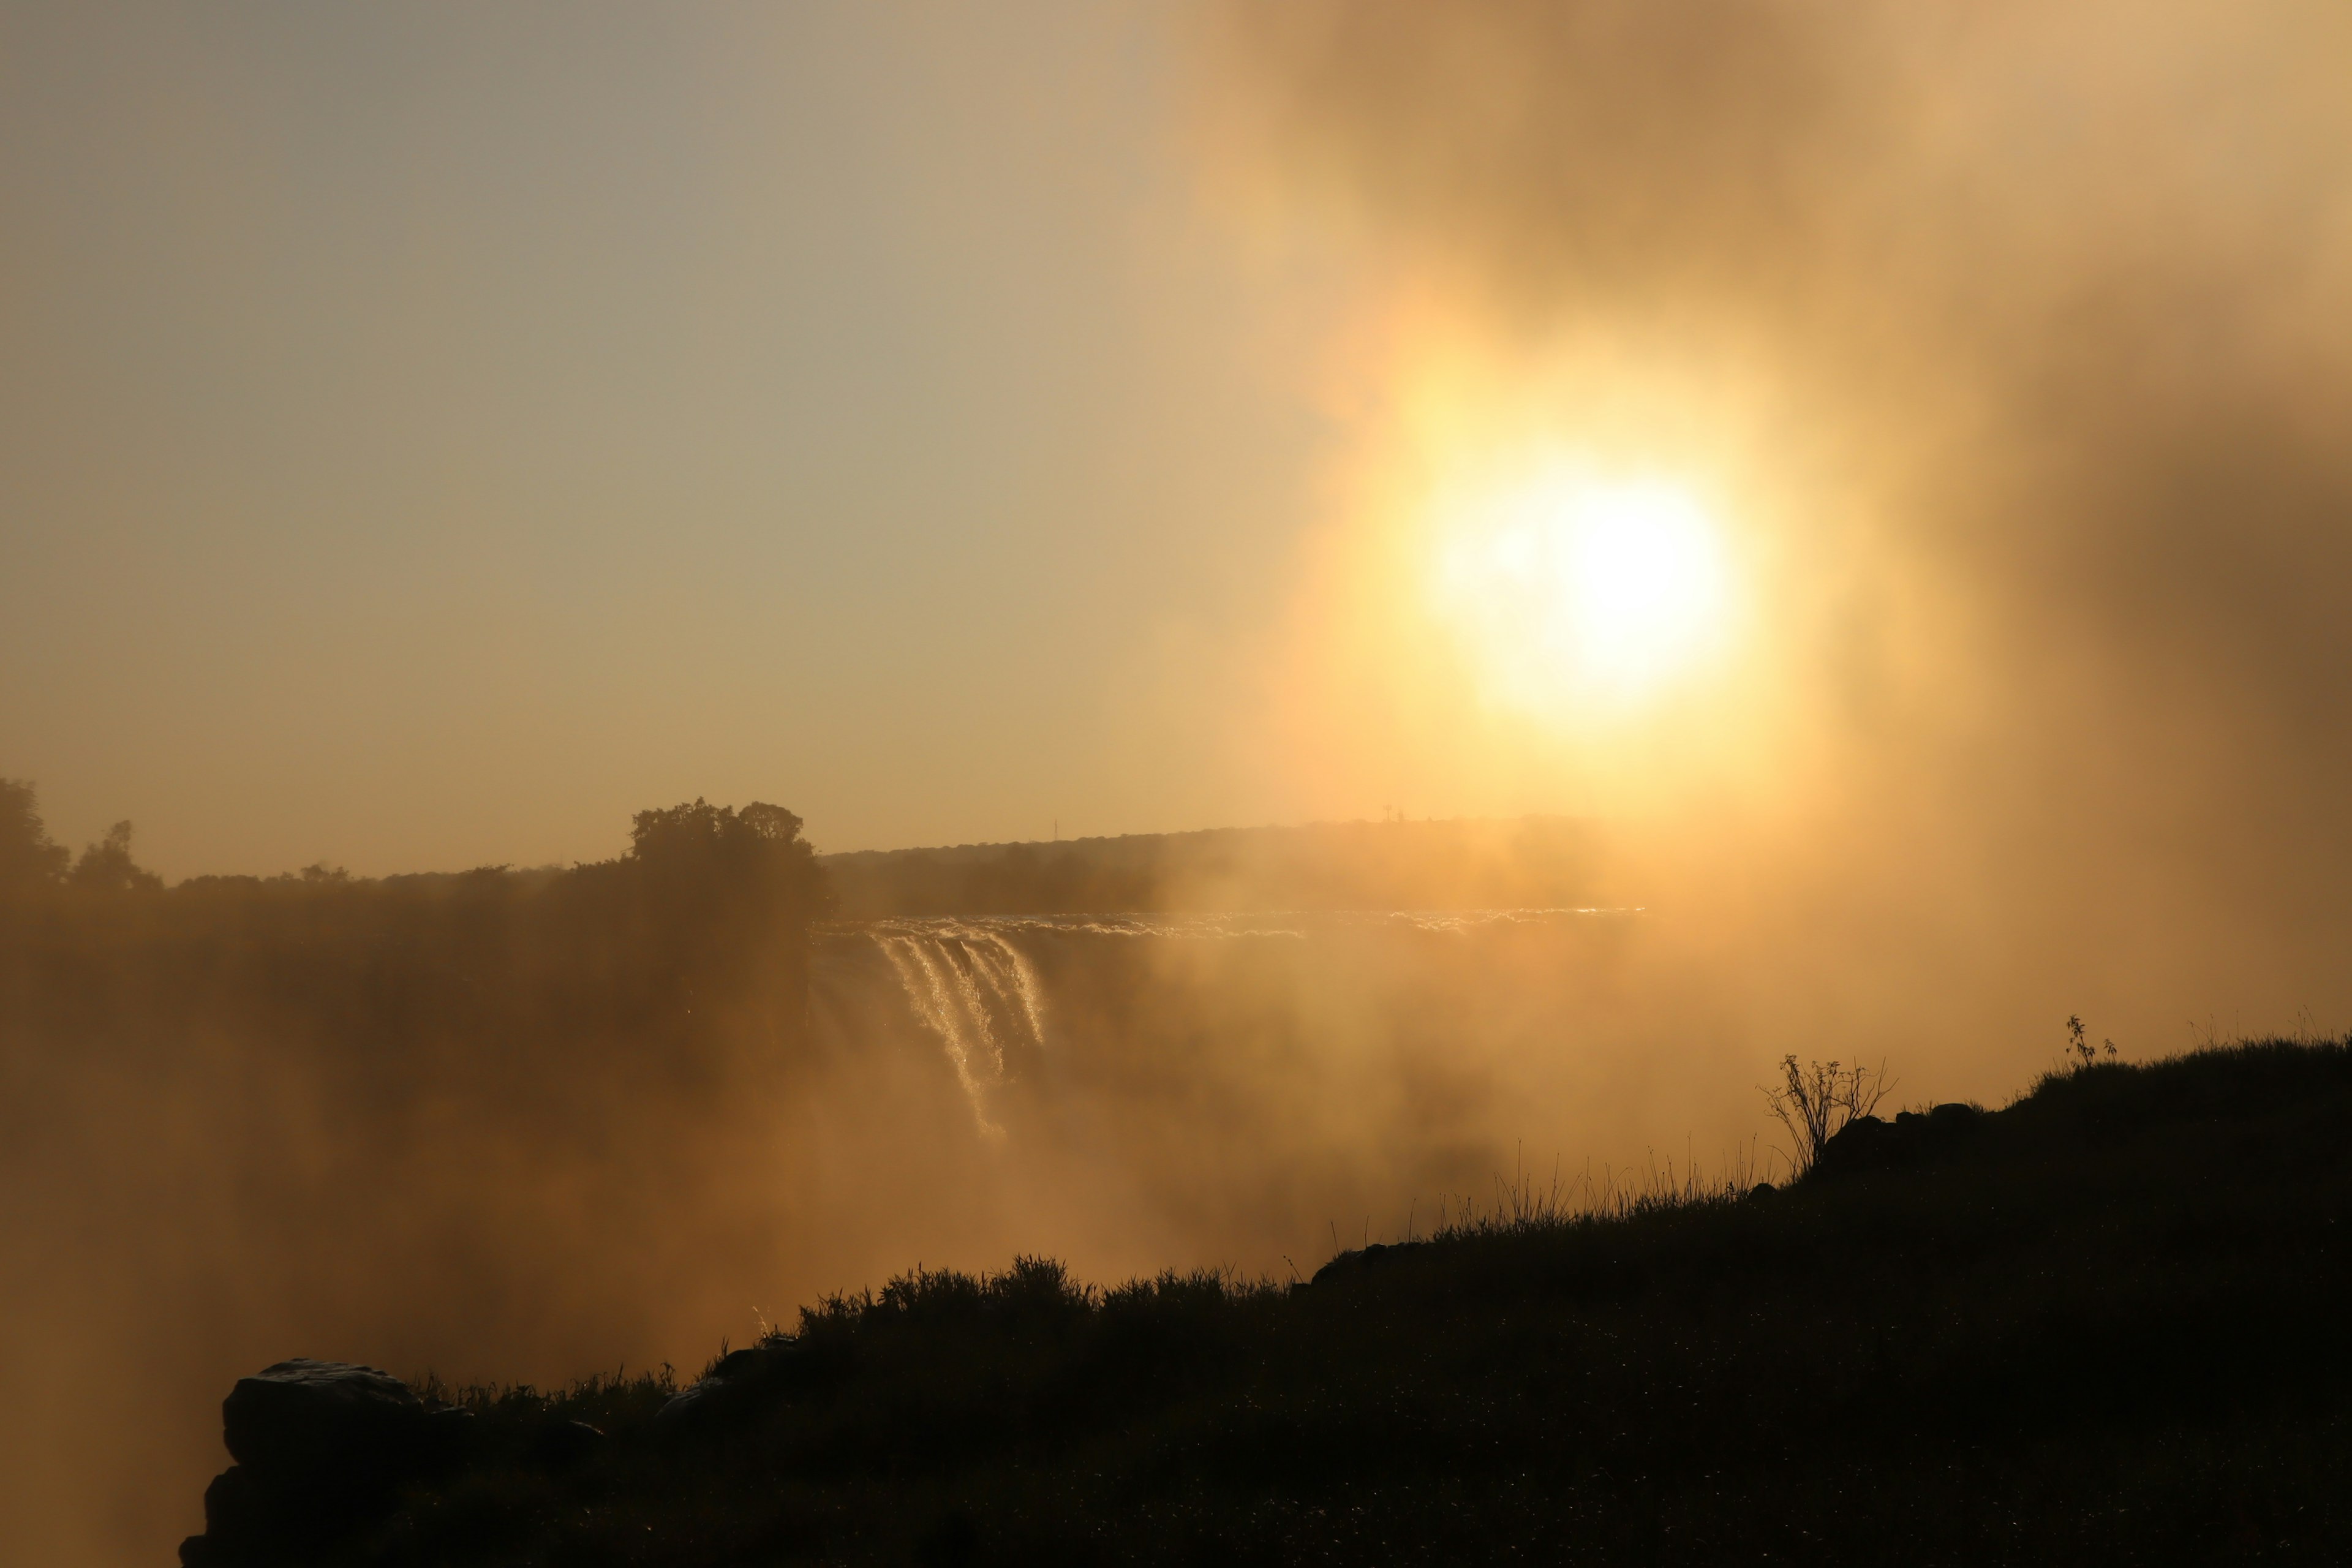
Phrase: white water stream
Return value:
(980, 989)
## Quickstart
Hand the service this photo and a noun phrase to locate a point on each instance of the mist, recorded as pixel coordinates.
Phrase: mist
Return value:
(2009, 346)
(2014, 341)
(525, 1126)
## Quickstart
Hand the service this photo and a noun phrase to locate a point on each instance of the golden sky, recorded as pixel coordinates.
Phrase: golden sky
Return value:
(431, 435)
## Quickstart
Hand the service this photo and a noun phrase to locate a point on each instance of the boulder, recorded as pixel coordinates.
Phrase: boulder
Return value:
(323, 1450)
(731, 1388)
(1869, 1143)
(301, 1415)
(1358, 1261)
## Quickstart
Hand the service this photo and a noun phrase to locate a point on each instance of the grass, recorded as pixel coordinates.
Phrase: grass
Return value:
(2108, 1328)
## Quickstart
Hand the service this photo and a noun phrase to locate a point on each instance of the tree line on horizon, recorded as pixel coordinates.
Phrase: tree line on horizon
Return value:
(698, 927)
(30, 859)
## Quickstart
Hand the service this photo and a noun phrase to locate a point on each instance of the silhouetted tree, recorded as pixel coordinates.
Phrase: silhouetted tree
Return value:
(713, 858)
(28, 857)
(688, 947)
(727, 897)
(107, 867)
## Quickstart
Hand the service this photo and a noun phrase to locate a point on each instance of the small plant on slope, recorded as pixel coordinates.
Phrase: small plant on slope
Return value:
(2079, 1054)
(1815, 1101)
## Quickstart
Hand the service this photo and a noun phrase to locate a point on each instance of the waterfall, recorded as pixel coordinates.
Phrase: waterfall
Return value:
(969, 984)
(1136, 992)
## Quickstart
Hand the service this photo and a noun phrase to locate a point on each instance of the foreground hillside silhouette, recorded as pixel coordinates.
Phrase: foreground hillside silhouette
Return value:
(2106, 1324)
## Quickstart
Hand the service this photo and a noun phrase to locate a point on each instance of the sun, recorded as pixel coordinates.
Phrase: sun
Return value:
(1575, 591)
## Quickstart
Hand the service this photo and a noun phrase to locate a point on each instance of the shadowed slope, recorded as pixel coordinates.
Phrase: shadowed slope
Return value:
(2104, 1326)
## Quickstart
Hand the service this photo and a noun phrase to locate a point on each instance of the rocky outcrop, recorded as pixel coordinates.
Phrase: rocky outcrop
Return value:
(323, 1450)
(1869, 1143)
(1357, 1262)
(737, 1386)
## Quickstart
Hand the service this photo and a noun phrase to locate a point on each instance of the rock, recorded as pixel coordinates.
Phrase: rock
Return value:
(306, 1413)
(1869, 1143)
(1363, 1261)
(322, 1450)
(725, 1389)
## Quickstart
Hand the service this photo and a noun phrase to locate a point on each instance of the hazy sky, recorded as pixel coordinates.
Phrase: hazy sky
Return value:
(432, 433)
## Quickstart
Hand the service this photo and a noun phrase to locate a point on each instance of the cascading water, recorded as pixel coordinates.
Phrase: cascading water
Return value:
(1132, 1091)
(971, 986)
(975, 990)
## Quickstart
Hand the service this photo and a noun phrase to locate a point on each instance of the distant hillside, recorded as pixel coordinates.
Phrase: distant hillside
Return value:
(1527, 862)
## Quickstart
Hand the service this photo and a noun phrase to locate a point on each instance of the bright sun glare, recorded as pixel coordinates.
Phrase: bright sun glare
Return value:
(1574, 590)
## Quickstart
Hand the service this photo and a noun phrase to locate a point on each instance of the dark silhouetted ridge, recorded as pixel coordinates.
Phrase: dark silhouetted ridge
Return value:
(2104, 1324)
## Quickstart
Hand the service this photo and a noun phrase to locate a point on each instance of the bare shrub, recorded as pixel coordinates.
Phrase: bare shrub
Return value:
(1816, 1100)
(2079, 1055)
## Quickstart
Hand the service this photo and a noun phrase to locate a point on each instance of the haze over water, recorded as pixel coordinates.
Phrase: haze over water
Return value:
(1877, 467)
